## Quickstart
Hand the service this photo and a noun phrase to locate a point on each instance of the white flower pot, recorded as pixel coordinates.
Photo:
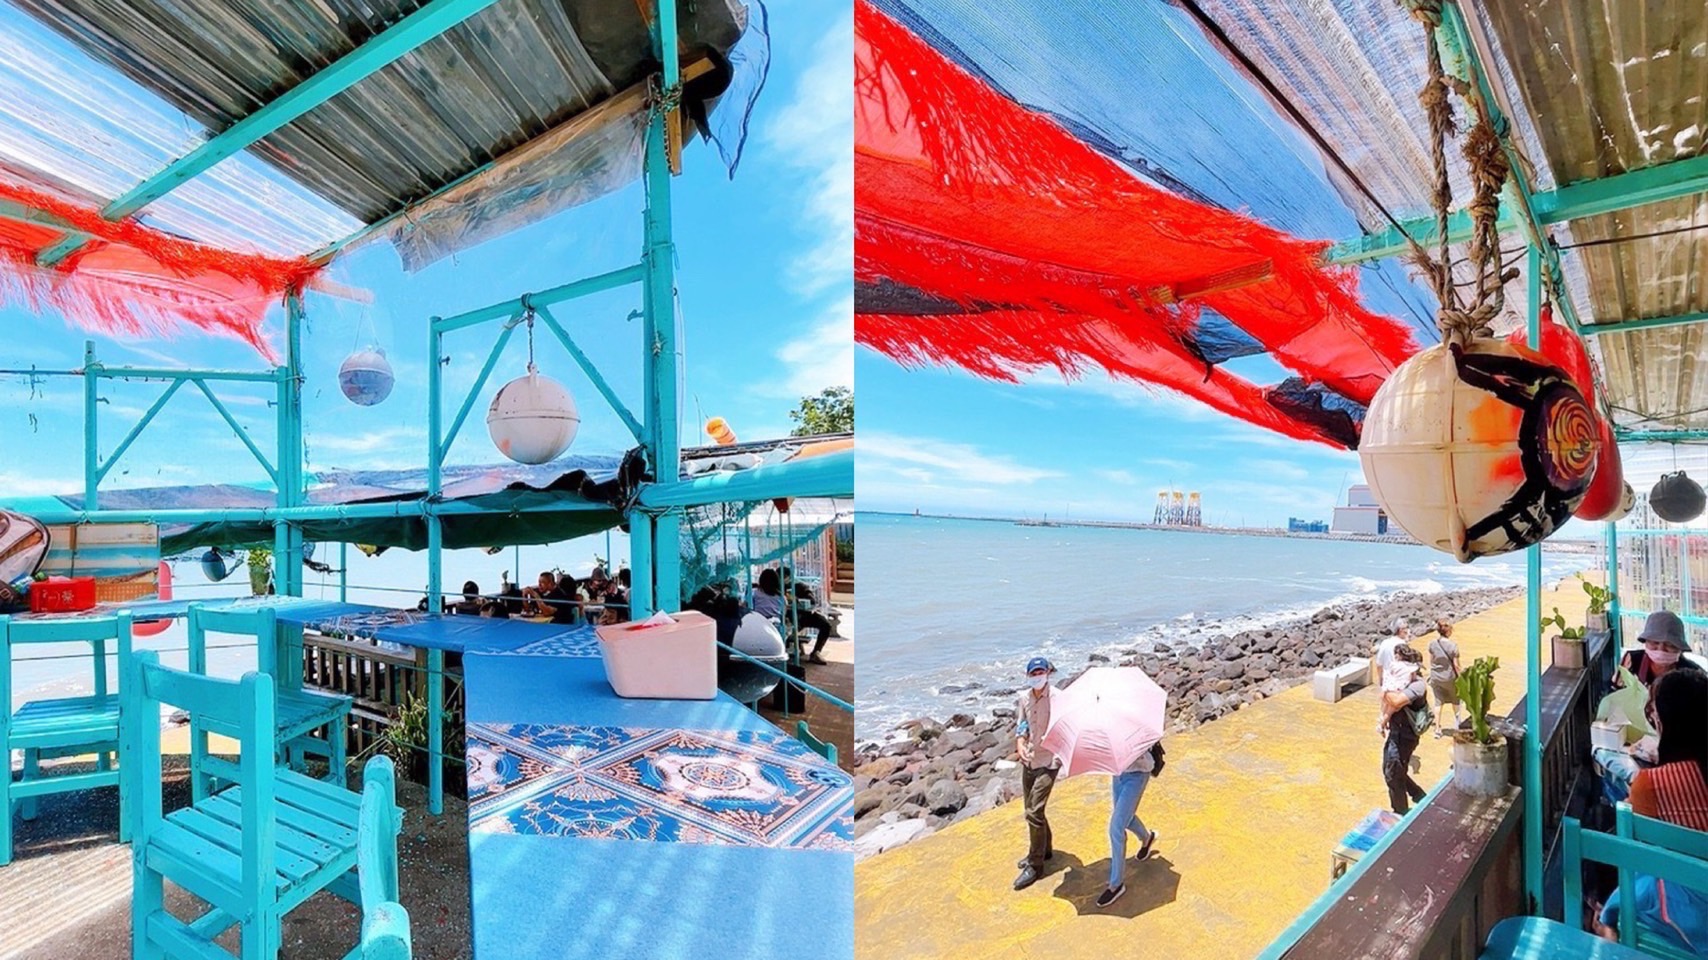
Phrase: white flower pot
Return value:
(1568, 654)
(1479, 769)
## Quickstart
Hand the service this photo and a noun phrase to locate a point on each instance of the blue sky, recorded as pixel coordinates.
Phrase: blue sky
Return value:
(766, 303)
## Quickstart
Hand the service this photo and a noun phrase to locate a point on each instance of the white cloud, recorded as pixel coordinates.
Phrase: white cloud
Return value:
(1121, 478)
(928, 460)
(813, 133)
(35, 484)
(822, 357)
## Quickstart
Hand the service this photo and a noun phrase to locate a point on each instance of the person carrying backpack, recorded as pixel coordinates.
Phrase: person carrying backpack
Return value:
(1405, 715)
(1128, 788)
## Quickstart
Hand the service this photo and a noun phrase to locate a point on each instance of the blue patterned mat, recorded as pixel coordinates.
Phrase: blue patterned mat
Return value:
(745, 787)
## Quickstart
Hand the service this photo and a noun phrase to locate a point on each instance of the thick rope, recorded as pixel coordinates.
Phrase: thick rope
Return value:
(1486, 159)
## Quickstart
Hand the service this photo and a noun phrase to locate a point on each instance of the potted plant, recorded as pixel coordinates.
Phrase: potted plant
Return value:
(405, 742)
(260, 563)
(1567, 644)
(1479, 754)
(1600, 598)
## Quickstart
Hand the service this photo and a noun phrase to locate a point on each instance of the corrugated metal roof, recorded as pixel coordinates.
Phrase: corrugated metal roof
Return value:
(1616, 86)
(500, 78)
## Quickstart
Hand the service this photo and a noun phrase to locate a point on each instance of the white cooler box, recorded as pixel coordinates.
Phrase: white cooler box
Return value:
(678, 661)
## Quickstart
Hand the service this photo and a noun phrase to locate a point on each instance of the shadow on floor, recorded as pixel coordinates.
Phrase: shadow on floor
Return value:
(67, 890)
(1151, 884)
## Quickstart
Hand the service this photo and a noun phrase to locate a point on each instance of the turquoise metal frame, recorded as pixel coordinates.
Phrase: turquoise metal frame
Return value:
(654, 519)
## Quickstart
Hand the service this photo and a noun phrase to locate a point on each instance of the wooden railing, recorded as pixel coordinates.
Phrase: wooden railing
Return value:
(1436, 890)
(377, 678)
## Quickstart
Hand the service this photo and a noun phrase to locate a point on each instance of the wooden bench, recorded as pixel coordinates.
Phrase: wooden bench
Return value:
(1330, 685)
(1359, 841)
(1641, 845)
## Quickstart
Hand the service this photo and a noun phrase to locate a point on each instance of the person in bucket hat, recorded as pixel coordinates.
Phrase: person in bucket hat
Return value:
(1664, 643)
(1037, 767)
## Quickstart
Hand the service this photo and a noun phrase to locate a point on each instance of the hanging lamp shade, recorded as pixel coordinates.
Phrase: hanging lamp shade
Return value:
(366, 377)
(214, 566)
(1676, 498)
(532, 419)
(1479, 449)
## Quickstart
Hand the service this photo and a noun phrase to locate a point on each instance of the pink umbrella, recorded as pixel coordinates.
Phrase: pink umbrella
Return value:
(1104, 720)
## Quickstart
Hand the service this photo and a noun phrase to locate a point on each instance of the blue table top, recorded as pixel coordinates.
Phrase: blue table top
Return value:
(434, 631)
(646, 828)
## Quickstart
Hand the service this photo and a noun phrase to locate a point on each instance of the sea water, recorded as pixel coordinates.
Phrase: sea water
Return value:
(952, 609)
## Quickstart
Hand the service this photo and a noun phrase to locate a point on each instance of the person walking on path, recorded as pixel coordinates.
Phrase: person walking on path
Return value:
(1400, 724)
(1400, 636)
(1037, 768)
(1128, 788)
(1443, 672)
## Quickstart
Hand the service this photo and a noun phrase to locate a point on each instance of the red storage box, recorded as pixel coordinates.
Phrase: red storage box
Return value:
(62, 594)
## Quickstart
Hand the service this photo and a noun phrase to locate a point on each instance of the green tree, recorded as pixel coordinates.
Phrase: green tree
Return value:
(832, 411)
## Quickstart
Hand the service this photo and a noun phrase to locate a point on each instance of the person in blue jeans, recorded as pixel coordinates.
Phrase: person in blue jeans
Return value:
(1128, 788)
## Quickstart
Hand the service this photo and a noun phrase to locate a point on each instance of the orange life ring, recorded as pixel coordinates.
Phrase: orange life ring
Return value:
(149, 628)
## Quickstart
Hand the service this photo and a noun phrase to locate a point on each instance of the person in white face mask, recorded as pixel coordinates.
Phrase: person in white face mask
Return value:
(1037, 768)
(1664, 643)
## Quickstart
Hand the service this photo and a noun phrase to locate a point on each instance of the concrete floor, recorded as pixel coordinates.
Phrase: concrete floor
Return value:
(827, 721)
(1247, 812)
(66, 894)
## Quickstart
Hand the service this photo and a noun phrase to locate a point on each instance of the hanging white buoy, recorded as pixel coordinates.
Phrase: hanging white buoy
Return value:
(1479, 450)
(756, 637)
(1627, 503)
(532, 419)
(366, 377)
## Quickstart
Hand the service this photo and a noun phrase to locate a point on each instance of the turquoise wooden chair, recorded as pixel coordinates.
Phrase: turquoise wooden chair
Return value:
(298, 713)
(1639, 845)
(256, 850)
(63, 727)
(820, 747)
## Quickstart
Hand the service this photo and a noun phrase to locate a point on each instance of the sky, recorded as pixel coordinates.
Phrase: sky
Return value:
(765, 302)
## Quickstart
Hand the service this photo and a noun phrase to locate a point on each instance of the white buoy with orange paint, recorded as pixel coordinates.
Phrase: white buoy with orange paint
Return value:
(719, 430)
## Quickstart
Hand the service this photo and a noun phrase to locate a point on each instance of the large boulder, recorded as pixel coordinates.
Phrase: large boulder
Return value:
(888, 836)
(945, 797)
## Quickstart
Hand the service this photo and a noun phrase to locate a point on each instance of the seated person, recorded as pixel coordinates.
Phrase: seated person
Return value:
(768, 595)
(534, 597)
(510, 595)
(617, 597)
(565, 601)
(1675, 791)
(472, 602)
(494, 610)
(1664, 643)
(597, 585)
(807, 618)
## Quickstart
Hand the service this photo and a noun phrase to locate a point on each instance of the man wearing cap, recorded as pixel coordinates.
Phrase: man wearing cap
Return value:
(1037, 767)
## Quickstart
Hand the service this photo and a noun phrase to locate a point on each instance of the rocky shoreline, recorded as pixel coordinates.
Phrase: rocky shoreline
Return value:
(932, 773)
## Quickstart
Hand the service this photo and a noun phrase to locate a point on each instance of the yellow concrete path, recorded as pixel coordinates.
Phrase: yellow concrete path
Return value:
(1247, 812)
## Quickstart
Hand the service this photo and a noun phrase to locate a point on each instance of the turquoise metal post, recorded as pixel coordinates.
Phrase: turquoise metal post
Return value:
(91, 453)
(435, 585)
(343, 573)
(664, 568)
(1533, 652)
(1613, 624)
(640, 561)
(292, 490)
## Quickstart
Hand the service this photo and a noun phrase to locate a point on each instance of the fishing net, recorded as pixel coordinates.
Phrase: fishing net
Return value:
(729, 543)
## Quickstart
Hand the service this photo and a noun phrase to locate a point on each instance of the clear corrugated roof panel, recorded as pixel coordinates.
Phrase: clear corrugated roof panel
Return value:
(73, 123)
